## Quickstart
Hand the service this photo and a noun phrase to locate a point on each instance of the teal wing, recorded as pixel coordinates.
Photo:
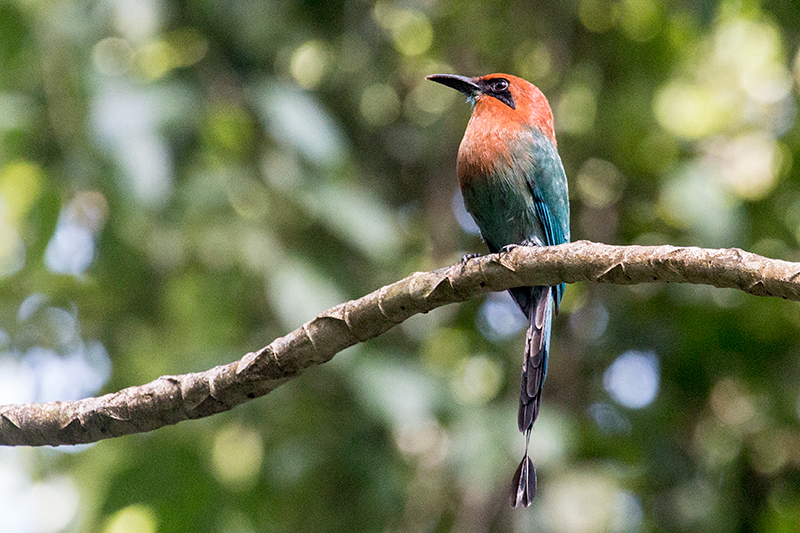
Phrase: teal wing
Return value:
(547, 183)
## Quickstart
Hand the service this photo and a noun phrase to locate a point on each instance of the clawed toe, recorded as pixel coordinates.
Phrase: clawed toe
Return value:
(467, 257)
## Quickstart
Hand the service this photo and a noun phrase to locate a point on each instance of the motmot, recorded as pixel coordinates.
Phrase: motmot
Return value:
(515, 187)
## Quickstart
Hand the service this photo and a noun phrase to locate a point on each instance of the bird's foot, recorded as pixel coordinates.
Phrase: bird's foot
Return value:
(466, 257)
(508, 247)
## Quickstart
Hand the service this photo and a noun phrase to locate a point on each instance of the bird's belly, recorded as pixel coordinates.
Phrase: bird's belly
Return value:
(504, 214)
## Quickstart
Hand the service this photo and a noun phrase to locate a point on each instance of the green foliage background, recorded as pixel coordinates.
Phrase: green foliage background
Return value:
(182, 182)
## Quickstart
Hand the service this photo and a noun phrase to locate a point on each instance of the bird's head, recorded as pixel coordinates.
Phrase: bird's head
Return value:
(503, 97)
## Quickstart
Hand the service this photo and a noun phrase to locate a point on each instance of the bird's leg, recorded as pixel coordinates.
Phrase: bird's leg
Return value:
(466, 257)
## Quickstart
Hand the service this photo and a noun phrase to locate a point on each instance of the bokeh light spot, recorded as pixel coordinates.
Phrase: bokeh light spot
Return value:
(70, 251)
(379, 104)
(55, 504)
(188, 45)
(237, 455)
(633, 379)
(534, 62)
(112, 56)
(609, 419)
(580, 502)
(137, 20)
(640, 19)
(154, 59)
(309, 64)
(499, 317)
(477, 381)
(425, 439)
(71, 248)
(412, 33)
(692, 111)
(597, 15)
(748, 164)
(589, 322)
(576, 110)
(599, 183)
(425, 103)
(20, 187)
(12, 250)
(135, 518)
(732, 404)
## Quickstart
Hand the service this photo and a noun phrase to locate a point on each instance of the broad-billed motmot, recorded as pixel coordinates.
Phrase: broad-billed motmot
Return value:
(515, 188)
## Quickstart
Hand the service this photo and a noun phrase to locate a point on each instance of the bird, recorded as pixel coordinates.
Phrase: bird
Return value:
(514, 186)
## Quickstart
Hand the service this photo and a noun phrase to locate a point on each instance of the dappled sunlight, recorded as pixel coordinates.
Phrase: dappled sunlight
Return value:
(424, 440)
(126, 121)
(12, 250)
(748, 164)
(738, 75)
(151, 59)
(733, 406)
(576, 110)
(426, 103)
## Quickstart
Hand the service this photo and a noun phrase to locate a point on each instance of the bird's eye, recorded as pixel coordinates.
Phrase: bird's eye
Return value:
(500, 85)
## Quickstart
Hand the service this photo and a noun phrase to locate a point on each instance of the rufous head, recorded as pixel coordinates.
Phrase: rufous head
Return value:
(503, 97)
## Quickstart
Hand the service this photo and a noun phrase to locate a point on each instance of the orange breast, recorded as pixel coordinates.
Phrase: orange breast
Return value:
(494, 127)
(491, 130)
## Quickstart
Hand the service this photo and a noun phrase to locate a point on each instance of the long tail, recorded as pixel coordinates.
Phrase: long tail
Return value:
(538, 305)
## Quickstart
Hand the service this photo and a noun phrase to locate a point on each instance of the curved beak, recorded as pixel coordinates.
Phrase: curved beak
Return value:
(459, 83)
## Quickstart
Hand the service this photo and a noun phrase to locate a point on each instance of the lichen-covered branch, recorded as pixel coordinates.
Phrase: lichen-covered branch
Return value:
(171, 399)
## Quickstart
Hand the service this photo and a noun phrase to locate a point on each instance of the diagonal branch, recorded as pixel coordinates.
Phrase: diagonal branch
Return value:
(171, 399)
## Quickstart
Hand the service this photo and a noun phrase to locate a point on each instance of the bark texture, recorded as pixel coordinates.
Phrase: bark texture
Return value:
(171, 399)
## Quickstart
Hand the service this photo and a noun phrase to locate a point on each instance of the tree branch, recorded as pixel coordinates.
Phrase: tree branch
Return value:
(171, 399)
